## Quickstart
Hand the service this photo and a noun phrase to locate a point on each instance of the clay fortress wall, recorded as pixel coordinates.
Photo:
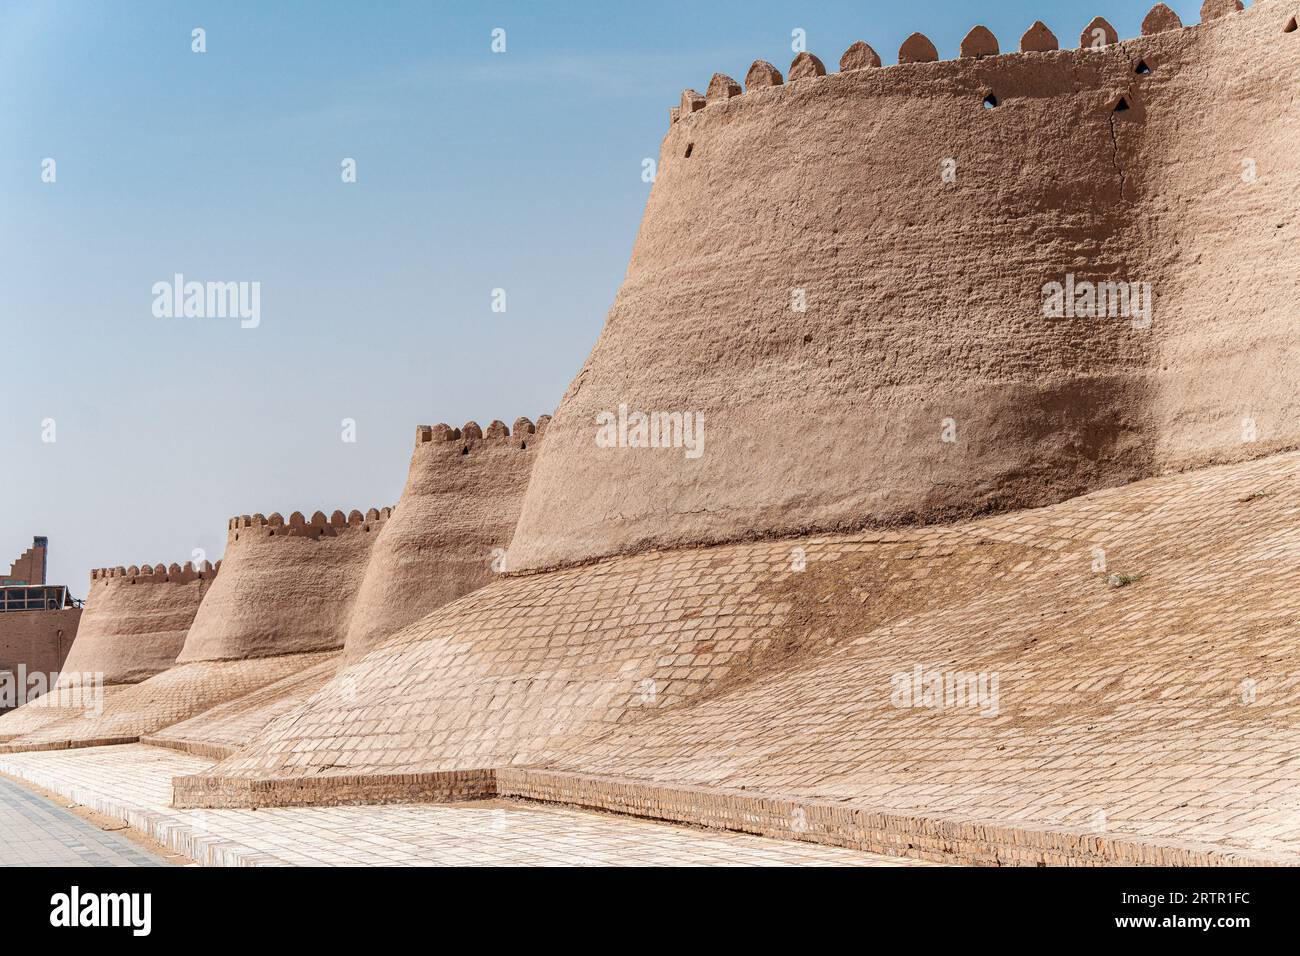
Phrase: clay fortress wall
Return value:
(286, 587)
(278, 607)
(134, 623)
(351, 580)
(136, 619)
(836, 270)
(839, 270)
(452, 528)
(291, 595)
(869, 276)
(847, 275)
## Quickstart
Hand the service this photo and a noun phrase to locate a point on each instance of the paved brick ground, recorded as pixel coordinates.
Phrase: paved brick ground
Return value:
(1162, 706)
(35, 832)
(1164, 709)
(133, 782)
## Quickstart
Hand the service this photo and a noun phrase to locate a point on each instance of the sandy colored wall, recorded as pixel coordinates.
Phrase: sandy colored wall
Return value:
(1219, 105)
(924, 298)
(38, 639)
(451, 528)
(136, 619)
(286, 587)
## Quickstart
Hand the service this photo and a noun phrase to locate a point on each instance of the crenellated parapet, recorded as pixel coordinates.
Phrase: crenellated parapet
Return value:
(159, 573)
(471, 434)
(286, 585)
(454, 524)
(129, 633)
(805, 66)
(318, 526)
(859, 56)
(721, 87)
(1213, 9)
(919, 49)
(980, 42)
(762, 75)
(1039, 39)
(1098, 35)
(1160, 19)
(802, 239)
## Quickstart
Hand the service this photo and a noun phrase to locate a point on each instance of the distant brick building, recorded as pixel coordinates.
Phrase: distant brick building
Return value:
(30, 566)
(38, 621)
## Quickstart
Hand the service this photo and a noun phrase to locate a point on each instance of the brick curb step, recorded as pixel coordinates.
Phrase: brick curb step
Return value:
(845, 825)
(201, 791)
(974, 842)
(67, 744)
(197, 748)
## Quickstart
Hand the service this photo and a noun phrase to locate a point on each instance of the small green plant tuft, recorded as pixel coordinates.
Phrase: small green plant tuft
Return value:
(1124, 580)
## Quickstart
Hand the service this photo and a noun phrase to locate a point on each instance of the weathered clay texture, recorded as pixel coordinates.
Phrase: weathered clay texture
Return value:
(979, 42)
(132, 627)
(452, 526)
(134, 624)
(762, 75)
(924, 298)
(805, 66)
(859, 56)
(721, 87)
(1039, 39)
(1142, 636)
(284, 587)
(1213, 9)
(1160, 19)
(1098, 34)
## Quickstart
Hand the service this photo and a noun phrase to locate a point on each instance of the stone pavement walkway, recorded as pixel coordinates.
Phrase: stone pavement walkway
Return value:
(36, 832)
(133, 783)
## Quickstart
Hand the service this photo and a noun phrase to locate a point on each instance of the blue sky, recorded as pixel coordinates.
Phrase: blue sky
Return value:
(475, 171)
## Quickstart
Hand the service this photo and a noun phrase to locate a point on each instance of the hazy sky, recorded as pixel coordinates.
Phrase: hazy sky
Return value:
(475, 170)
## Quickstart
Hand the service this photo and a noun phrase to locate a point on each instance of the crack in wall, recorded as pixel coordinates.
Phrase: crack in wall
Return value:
(1114, 145)
(1114, 156)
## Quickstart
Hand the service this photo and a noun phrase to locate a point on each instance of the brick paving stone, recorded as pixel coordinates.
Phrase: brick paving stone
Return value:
(133, 782)
(1166, 709)
(36, 832)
